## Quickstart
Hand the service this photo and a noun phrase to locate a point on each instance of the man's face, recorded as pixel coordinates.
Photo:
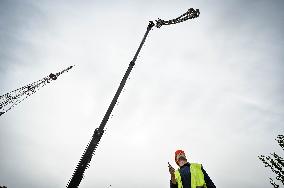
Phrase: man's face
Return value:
(181, 157)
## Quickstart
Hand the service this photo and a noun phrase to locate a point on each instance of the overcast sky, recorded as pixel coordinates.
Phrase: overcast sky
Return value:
(212, 86)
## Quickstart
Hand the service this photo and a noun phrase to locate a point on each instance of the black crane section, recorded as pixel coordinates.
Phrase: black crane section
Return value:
(84, 162)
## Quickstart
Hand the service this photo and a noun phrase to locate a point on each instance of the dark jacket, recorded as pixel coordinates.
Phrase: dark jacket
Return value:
(186, 178)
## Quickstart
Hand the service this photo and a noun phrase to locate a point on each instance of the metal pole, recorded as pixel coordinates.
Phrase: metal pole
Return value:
(97, 135)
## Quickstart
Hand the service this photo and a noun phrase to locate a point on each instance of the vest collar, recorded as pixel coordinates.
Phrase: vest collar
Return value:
(186, 164)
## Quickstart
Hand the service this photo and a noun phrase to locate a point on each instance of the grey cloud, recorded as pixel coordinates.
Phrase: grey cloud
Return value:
(211, 86)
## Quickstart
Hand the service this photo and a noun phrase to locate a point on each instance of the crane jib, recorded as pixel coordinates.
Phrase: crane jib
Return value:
(85, 160)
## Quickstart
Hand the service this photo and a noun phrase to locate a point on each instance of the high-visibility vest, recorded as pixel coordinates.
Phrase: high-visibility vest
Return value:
(197, 176)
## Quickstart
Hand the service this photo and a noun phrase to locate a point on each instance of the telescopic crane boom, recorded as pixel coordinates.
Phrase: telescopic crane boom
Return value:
(85, 160)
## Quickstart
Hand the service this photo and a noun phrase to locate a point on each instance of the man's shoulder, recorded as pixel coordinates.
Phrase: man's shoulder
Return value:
(199, 165)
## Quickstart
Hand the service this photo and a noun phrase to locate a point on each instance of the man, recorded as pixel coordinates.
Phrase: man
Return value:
(189, 175)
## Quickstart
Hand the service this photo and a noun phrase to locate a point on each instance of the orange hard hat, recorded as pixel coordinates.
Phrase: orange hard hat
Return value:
(178, 152)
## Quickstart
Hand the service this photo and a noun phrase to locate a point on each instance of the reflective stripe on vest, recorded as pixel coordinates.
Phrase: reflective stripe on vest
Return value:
(197, 176)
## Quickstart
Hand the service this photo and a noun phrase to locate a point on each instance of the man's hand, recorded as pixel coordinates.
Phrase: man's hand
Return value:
(172, 172)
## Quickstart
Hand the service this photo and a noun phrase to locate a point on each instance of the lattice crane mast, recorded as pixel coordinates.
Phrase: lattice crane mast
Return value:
(13, 98)
(85, 160)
